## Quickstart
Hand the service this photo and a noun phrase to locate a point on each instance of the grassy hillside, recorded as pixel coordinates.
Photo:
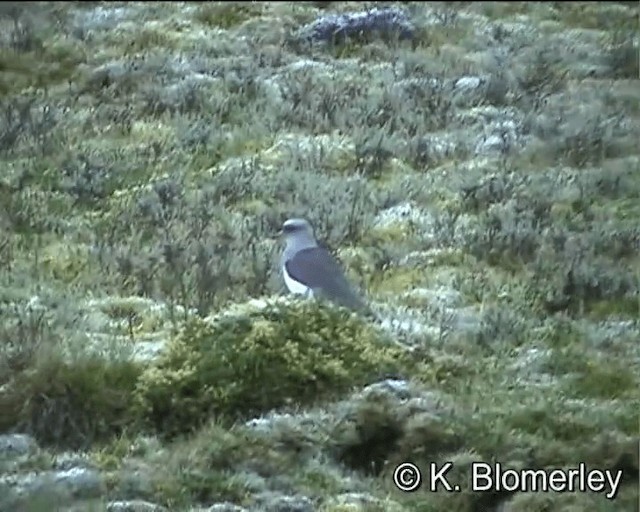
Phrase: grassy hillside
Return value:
(475, 166)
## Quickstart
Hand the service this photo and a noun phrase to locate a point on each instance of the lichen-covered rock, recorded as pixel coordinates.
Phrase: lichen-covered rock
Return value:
(16, 445)
(223, 507)
(275, 502)
(59, 487)
(337, 27)
(134, 506)
(16, 451)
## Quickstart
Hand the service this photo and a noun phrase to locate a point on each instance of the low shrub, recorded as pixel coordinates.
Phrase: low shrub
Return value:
(245, 364)
(70, 404)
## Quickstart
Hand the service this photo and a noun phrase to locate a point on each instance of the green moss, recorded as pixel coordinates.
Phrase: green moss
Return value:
(14, 71)
(627, 499)
(597, 16)
(252, 206)
(65, 261)
(238, 143)
(347, 50)
(445, 370)
(245, 364)
(226, 15)
(499, 10)
(56, 63)
(627, 209)
(436, 36)
(604, 379)
(134, 316)
(198, 486)
(541, 420)
(589, 376)
(63, 55)
(151, 37)
(318, 481)
(370, 437)
(621, 308)
(397, 280)
(70, 404)
(209, 467)
(110, 456)
(548, 431)
(393, 233)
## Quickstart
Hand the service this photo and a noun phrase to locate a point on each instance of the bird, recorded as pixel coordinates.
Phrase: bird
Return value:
(309, 269)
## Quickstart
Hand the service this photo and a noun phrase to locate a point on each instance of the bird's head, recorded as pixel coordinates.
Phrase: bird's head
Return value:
(298, 230)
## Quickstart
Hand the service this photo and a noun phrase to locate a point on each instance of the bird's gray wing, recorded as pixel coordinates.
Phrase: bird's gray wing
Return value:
(317, 269)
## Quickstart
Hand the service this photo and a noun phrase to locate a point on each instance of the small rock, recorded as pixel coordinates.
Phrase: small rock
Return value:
(266, 423)
(271, 502)
(356, 501)
(396, 387)
(16, 445)
(468, 83)
(69, 460)
(401, 214)
(492, 144)
(80, 482)
(134, 506)
(225, 507)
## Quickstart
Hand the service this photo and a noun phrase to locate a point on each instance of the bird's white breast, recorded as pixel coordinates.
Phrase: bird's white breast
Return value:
(295, 286)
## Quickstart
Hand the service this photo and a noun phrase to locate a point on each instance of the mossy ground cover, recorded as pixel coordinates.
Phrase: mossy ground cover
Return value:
(148, 153)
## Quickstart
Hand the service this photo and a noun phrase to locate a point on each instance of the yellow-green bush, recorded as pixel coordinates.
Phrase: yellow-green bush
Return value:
(245, 364)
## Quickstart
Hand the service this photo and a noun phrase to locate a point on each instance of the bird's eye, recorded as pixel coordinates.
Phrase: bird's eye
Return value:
(292, 227)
